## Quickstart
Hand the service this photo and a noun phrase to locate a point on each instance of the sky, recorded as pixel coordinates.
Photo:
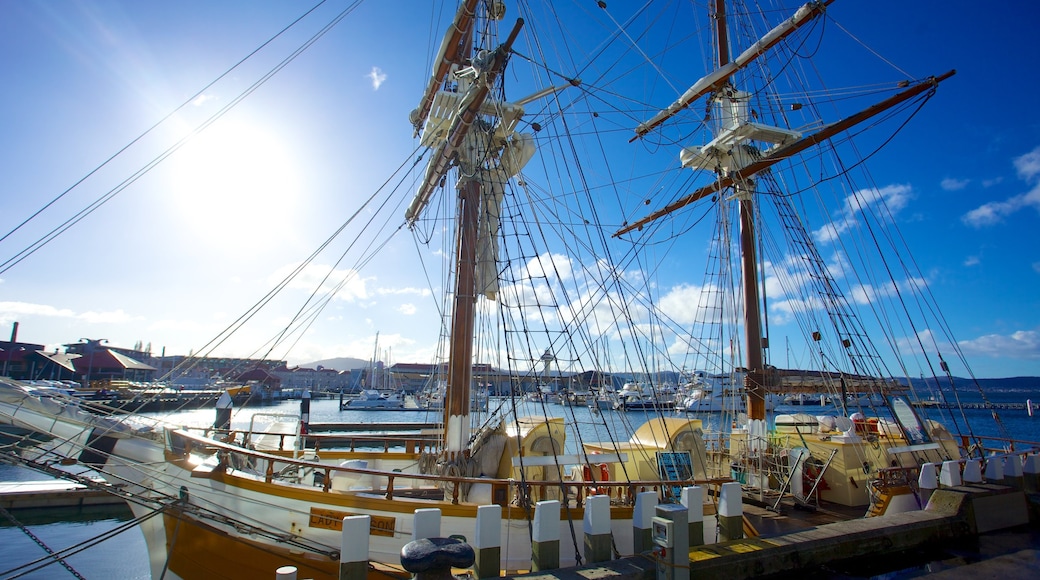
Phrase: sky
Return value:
(182, 249)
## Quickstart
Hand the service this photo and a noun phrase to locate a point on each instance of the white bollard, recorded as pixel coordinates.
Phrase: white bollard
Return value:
(487, 541)
(426, 524)
(353, 550)
(927, 481)
(950, 476)
(597, 529)
(545, 536)
(642, 517)
(731, 512)
(285, 573)
(1031, 473)
(1013, 472)
(994, 469)
(1012, 466)
(972, 471)
(693, 498)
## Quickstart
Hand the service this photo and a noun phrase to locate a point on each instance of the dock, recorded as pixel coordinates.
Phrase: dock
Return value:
(954, 514)
(52, 494)
(1025, 406)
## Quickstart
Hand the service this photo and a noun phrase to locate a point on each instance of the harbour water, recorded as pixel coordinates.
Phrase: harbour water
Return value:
(124, 555)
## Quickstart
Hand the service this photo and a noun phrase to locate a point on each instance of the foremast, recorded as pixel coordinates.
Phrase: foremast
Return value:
(735, 157)
(462, 126)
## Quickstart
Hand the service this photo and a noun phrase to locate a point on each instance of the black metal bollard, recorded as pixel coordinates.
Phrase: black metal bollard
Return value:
(433, 558)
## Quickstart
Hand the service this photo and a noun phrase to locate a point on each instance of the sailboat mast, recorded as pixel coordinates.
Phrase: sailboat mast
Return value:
(754, 377)
(460, 358)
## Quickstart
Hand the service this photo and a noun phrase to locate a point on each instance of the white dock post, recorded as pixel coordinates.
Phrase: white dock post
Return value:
(487, 542)
(995, 469)
(353, 550)
(693, 498)
(1031, 473)
(597, 529)
(426, 524)
(305, 415)
(972, 471)
(950, 476)
(223, 418)
(927, 481)
(545, 536)
(642, 521)
(285, 573)
(1013, 472)
(731, 512)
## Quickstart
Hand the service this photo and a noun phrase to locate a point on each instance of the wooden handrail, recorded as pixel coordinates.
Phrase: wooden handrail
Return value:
(197, 442)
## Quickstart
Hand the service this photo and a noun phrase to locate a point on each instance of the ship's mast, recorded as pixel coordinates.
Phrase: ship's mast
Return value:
(464, 127)
(735, 155)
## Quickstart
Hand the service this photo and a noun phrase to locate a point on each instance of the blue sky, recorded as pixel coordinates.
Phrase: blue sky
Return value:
(187, 247)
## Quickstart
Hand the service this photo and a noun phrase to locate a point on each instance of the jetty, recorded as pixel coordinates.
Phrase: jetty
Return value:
(53, 494)
(670, 539)
(1025, 406)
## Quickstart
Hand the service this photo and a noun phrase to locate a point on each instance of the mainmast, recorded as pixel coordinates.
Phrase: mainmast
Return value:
(735, 156)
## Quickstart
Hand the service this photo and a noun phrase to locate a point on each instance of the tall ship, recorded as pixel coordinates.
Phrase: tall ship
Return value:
(537, 163)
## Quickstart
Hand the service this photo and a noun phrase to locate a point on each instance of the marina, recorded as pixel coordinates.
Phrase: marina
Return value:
(327, 419)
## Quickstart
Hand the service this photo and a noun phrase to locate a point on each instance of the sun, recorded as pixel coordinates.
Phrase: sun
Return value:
(233, 180)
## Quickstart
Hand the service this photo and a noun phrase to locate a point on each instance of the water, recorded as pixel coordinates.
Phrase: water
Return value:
(125, 555)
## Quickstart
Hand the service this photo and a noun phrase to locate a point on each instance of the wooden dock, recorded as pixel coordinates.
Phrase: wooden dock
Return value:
(51, 494)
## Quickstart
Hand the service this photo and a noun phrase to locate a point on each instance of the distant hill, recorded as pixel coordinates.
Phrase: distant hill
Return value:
(966, 384)
(339, 364)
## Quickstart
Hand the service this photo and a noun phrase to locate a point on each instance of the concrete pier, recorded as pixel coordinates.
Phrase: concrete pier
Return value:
(952, 513)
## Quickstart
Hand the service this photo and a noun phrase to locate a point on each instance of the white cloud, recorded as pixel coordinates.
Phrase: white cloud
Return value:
(995, 211)
(377, 76)
(1028, 165)
(112, 317)
(202, 99)
(1020, 344)
(1036, 266)
(348, 284)
(403, 291)
(11, 311)
(1028, 168)
(550, 267)
(682, 303)
(951, 184)
(972, 261)
(407, 309)
(892, 198)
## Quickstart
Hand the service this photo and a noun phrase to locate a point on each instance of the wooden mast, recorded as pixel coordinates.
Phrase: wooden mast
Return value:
(754, 377)
(735, 160)
(448, 136)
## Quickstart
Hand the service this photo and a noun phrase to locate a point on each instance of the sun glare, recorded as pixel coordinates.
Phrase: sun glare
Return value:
(234, 181)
